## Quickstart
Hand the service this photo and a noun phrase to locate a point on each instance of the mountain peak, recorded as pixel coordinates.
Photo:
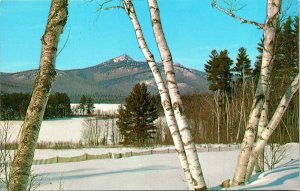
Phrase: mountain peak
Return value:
(123, 57)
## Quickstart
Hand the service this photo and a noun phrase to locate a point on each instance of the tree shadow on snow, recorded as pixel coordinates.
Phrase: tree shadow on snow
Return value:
(276, 182)
(61, 176)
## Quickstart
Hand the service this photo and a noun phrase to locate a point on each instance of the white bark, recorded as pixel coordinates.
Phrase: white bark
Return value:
(164, 95)
(176, 101)
(30, 129)
(267, 132)
(261, 126)
(273, 11)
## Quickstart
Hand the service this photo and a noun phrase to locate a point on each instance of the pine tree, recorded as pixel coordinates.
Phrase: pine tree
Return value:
(89, 105)
(257, 65)
(242, 69)
(210, 70)
(220, 76)
(135, 119)
(219, 72)
(82, 104)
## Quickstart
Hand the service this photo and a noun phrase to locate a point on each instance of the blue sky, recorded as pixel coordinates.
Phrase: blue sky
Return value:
(192, 28)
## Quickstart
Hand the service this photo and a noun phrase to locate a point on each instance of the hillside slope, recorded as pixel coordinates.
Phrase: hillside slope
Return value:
(107, 82)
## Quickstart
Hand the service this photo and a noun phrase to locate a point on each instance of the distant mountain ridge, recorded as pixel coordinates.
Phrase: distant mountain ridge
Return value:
(110, 81)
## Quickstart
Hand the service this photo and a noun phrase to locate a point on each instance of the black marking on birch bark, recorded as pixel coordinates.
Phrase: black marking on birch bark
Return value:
(180, 151)
(166, 103)
(188, 143)
(170, 73)
(154, 8)
(155, 21)
(171, 82)
(175, 133)
(259, 98)
(168, 59)
(138, 29)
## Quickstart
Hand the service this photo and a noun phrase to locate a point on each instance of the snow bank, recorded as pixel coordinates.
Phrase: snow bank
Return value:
(157, 172)
(284, 177)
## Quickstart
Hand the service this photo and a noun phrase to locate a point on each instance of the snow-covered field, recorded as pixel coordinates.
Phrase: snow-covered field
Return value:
(148, 172)
(156, 172)
(53, 130)
(67, 129)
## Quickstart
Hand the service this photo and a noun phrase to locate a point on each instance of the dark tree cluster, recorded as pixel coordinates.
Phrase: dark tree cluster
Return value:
(286, 59)
(226, 77)
(58, 106)
(218, 71)
(234, 84)
(86, 105)
(136, 116)
(13, 106)
(285, 68)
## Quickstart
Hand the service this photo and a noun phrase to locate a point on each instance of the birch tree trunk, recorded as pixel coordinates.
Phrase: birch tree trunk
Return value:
(176, 101)
(22, 162)
(273, 12)
(267, 132)
(164, 95)
(261, 126)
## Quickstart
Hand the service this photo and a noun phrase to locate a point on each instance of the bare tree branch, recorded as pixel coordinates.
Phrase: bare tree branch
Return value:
(62, 48)
(230, 13)
(103, 8)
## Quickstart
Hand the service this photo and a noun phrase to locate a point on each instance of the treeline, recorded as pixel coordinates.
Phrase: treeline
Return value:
(14, 106)
(222, 116)
(98, 98)
(58, 106)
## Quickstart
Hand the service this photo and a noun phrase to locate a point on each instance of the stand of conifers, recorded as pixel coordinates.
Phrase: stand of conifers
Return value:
(169, 94)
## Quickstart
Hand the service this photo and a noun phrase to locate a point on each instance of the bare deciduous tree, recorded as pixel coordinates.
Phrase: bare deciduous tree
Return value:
(90, 132)
(6, 154)
(30, 129)
(275, 153)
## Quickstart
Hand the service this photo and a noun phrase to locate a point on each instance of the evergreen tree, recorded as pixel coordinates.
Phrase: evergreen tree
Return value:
(90, 105)
(242, 69)
(220, 77)
(286, 59)
(219, 72)
(257, 65)
(82, 104)
(58, 106)
(210, 70)
(135, 119)
(296, 39)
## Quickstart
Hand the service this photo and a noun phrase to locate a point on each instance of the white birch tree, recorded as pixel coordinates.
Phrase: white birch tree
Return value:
(164, 94)
(177, 105)
(22, 162)
(269, 28)
(267, 132)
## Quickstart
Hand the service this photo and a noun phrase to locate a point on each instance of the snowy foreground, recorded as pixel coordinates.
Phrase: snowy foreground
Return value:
(156, 172)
